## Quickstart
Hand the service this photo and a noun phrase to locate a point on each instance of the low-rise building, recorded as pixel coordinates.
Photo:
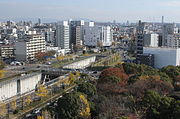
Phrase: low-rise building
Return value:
(18, 85)
(59, 51)
(164, 56)
(7, 50)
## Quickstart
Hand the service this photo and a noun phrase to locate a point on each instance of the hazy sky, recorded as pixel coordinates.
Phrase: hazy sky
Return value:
(98, 10)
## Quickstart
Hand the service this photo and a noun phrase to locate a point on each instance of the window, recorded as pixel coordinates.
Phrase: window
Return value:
(18, 86)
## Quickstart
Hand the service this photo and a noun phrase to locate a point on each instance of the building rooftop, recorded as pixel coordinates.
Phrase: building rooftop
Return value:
(18, 75)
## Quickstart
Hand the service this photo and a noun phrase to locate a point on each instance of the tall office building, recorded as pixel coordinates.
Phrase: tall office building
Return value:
(141, 30)
(62, 35)
(97, 35)
(77, 33)
(173, 40)
(50, 37)
(168, 29)
(151, 40)
(39, 21)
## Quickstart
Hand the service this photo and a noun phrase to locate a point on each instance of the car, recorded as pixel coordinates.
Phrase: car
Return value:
(95, 72)
(48, 63)
(38, 67)
(36, 111)
(28, 115)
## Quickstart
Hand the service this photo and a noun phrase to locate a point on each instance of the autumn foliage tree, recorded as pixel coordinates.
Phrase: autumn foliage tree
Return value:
(42, 91)
(3, 109)
(40, 56)
(2, 65)
(113, 75)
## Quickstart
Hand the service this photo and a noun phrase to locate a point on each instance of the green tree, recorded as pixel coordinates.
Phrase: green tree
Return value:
(87, 88)
(2, 65)
(130, 68)
(171, 71)
(72, 77)
(160, 107)
(72, 106)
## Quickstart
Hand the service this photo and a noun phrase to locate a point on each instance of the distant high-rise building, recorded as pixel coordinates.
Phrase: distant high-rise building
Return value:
(168, 29)
(151, 40)
(173, 40)
(114, 21)
(140, 38)
(77, 33)
(50, 37)
(97, 35)
(62, 35)
(39, 21)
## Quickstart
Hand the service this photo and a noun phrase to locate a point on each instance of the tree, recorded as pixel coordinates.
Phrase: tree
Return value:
(138, 88)
(87, 88)
(171, 71)
(13, 104)
(100, 44)
(59, 58)
(46, 114)
(2, 65)
(42, 91)
(2, 73)
(50, 53)
(130, 68)
(72, 77)
(73, 106)
(40, 56)
(113, 75)
(78, 74)
(28, 100)
(160, 107)
(3, 109)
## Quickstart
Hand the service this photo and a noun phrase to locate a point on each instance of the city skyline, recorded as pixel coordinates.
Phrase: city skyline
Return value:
(97, 10)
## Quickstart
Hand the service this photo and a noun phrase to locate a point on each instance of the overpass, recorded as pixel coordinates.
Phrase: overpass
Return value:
(82, 64)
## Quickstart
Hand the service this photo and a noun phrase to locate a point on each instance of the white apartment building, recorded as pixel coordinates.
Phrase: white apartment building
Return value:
(164, 56)
(97, 35)
(28, 46)
(151, 40)
(62, 36)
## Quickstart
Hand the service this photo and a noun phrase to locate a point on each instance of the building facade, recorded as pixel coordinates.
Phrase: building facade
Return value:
(76, 33)
(168, 29)
(7, 50)
(164, 56)
(18, 86)
(151, 40)
(28, 46)
(173, 40)
(63, 35)
(97, 36)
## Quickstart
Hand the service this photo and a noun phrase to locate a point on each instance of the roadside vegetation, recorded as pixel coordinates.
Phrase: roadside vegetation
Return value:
(126, 91)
